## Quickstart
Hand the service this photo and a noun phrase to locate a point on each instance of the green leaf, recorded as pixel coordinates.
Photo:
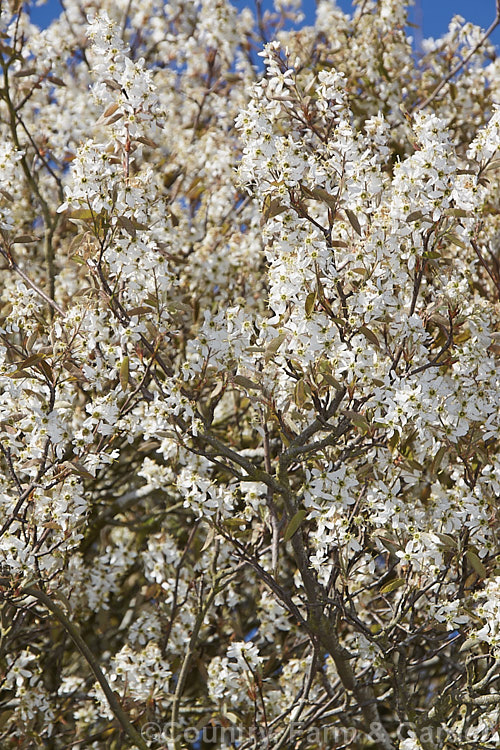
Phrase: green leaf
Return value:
(44, 366)
(459, 212)
(271, 207)
(15, 417)
(274, 345)
(82, 213)
(438, 459)
(390, 544)
(235, 523)
(78, 468)
(128, 225)
(396, 583)
(456, 240)
(110, 110)
(114, 118)
(320, 194)
(141, 310)
(217, 390)
(358, 420)
(476, 564)
(294, 524)
(209, 540)
(33, 359)
(228, 714)
(447, 540)
(469, 644)
(300, 393)
(124, 373)
(56, 80)
(25, 72)
(495, 164)
(369, 335)
(332, 381)
(310, 302)
(6, 195)
(147, 141)
(25, 239)
(414, 216)
(246, 382)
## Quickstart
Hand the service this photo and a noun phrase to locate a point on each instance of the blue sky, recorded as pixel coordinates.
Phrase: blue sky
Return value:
(432, 15)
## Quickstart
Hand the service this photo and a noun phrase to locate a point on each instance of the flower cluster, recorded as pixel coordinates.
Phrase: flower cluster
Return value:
(249, 375)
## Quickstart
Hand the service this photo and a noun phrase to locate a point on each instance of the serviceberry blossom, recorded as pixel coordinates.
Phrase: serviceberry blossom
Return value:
(249, 377)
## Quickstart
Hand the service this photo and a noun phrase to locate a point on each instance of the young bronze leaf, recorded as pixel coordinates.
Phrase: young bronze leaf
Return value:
(353, 220)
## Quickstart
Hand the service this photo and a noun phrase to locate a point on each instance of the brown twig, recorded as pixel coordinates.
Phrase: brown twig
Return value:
(12, 264)
(273, 511)
(484, 264)
(417, 107)
(77, 639)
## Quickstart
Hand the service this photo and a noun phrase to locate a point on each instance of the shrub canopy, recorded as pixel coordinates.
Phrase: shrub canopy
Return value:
(249, 337)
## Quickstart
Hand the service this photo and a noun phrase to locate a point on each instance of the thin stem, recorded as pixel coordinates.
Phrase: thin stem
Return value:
(12, 263)
(77, 639)
(485, 265)
(273, 511)
(461, 64)
(50, 223)
(186, 664)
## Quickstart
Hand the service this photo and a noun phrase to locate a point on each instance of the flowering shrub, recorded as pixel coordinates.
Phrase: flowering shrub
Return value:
(249, 338)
